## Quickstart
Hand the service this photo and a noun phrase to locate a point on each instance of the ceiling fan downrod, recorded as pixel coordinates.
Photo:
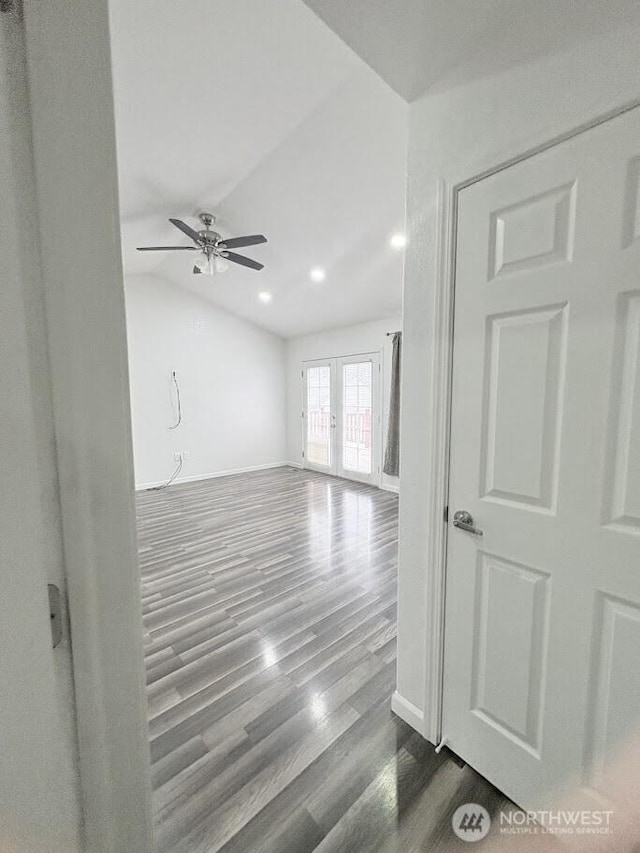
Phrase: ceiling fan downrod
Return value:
(209, 236)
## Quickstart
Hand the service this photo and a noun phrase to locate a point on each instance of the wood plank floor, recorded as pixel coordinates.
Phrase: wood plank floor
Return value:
(269, 612)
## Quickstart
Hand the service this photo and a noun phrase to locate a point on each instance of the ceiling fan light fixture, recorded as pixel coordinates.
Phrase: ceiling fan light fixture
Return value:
(204, 264)
(213, 252)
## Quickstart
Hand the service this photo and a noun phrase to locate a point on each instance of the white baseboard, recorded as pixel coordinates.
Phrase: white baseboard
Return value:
(386, 487)
(141, 487)
(390, 488)
(408, 712)
(194, 478)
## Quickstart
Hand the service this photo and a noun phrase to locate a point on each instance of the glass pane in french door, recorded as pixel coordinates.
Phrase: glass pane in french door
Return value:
(319, 415)
(357, 417)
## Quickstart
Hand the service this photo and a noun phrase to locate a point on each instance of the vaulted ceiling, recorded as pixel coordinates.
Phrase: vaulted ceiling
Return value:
(258, 112)
(289, 118)
(421, 46)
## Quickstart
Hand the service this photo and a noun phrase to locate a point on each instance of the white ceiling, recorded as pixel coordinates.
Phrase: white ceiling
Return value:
(424, 45)
(257, 111)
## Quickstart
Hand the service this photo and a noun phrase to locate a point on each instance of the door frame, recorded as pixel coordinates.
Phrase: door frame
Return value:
(68, 49)
(438, 442)
(333, 361)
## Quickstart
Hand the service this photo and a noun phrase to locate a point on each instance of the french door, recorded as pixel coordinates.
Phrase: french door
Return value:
(341, 417)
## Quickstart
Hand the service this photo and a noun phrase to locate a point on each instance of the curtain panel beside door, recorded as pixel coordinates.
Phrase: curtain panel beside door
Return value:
(392, 450)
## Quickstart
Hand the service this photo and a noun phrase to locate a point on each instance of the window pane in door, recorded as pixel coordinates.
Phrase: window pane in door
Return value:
(357, 417)
(319, 415)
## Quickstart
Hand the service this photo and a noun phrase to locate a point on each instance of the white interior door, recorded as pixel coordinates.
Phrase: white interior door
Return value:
(38, 769)
(358, 417)
(542, 632)
(319, 415)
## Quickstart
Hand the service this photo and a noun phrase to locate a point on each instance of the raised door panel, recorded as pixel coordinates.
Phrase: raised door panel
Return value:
(616, 685)
(524, 384)
(632, 203)
(623, 512)
(533, 232)
(510, 641)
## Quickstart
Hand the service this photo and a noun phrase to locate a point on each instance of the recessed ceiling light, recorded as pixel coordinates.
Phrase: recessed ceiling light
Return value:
(317, 274)
(398, 241)
(265, 296)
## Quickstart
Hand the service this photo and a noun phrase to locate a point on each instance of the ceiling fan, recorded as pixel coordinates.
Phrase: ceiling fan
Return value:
(213, 249)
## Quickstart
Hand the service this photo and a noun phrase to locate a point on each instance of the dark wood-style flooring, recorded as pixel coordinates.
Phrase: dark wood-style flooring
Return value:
(270, 627)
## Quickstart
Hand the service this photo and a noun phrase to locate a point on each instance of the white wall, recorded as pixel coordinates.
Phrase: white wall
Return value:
(232, 385)
(361, 338)
(455, 135)
(39, 794)
(240, 385)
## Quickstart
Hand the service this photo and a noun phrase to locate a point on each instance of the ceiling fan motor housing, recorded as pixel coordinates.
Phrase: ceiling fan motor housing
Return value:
(208, 235)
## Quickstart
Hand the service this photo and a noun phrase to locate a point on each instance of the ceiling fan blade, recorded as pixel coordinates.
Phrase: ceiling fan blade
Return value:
(239, 242)
(186, 229)
(167, 248)
(240, 259)
(197, 271)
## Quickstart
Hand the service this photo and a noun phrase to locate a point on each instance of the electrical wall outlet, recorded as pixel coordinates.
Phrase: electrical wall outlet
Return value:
(180, 455)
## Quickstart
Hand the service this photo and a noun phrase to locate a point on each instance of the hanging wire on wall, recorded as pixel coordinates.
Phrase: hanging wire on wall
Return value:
(178, 402)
